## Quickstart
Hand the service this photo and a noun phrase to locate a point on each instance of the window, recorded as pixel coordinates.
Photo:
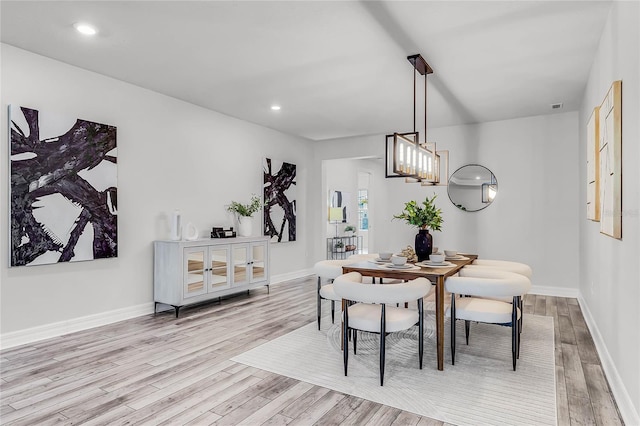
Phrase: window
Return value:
(363, 206)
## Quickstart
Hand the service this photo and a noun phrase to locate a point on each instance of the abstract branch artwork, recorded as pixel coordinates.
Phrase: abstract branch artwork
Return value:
(279, 192)
(63, 189)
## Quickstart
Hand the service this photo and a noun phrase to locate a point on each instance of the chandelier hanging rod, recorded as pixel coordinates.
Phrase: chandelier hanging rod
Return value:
(420, 65)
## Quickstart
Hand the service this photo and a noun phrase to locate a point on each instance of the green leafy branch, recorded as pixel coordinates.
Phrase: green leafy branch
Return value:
(422, 216)
(246, 210)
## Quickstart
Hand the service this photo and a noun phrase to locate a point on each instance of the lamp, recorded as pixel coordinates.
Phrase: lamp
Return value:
(335, 216)
(406, 156)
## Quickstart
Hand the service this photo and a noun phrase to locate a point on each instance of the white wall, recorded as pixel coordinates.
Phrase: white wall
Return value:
(535, 214)
(171, 155)
(341, 175)
(609, 268)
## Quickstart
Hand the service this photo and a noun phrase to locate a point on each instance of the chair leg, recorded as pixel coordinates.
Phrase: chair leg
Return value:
(355, 340)
(345, 340)
(383, 328)
(519, 325)
(467, 324)
(420, 331)
(514, 333)
(453, 329)
(319, 307)
(520, 305)
(333, 312)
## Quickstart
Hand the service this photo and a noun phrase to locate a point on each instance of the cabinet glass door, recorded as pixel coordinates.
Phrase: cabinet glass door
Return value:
(258, 262)
(240, 261)
(194, 270)
(219, 268)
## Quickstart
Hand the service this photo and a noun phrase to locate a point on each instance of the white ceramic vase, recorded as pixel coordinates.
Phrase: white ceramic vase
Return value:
(245, 226)
(190, 232)
(176, 226)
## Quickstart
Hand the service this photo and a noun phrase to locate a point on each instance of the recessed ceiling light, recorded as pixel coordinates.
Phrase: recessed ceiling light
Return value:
(275, 107)
(85, 29)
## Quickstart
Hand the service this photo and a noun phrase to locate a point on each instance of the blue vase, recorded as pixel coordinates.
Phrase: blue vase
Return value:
(424, 243)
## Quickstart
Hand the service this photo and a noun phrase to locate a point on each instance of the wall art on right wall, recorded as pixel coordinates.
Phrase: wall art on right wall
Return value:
(610, 145)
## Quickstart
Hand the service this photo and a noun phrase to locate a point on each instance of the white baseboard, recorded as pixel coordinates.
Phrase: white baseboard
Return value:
(276, 279)
(623, 399)
(35, 334)
(47, 331)
(554, 291)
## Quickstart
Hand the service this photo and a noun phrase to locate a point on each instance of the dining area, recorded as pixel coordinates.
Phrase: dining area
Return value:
(430, 270)
(459, 286)
(435, 273)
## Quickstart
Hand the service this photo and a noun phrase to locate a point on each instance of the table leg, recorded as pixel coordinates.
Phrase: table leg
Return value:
(440, 321)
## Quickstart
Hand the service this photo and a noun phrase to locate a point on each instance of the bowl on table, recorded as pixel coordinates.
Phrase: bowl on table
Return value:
(385, 255)
(434, 250)
(450, 253)
(436, 258)
(398, 260)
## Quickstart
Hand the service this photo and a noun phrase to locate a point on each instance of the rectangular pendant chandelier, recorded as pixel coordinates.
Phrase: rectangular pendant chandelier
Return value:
(405, 155)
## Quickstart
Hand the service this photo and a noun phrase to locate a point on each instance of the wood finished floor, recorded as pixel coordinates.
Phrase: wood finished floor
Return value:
(157, 370)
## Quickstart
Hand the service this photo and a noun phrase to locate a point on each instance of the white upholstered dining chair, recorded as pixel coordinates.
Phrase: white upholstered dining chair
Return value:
(501, 265)
(481, 304)
(369, 311)
(327, 271)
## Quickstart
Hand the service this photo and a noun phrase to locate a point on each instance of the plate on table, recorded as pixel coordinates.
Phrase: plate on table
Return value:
(430, 264)
(379, 261)
(399, 267)
(456, 257)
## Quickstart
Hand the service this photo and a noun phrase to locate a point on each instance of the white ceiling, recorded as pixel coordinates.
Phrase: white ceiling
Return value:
(336, 68)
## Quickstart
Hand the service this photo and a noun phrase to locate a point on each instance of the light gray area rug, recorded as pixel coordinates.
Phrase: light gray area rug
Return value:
(481, 388)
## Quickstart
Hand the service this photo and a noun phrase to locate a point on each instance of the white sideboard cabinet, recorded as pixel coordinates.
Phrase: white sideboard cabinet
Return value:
(187, 272)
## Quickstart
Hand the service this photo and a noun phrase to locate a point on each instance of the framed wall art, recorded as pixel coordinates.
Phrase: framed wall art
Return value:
(610, 161)
(63, 188)
(279, 191)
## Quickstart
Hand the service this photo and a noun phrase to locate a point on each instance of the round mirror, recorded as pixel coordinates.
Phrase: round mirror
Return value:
(472, 187)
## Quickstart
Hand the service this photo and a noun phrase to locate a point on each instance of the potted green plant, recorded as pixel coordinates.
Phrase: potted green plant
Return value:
(244, 212)
(339, 246)
(424, 216)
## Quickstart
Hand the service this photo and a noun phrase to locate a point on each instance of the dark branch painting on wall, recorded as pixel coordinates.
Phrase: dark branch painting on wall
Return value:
(279, 200)
(63, 189)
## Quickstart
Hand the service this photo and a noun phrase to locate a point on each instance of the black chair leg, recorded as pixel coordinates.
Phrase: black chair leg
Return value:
(382, 343)
(453, 329)
(467, 324)
(345, 340)
(333, 312)
(514, 334)
(519, 325)
(518, 346)
(355, 339)
(420, 331)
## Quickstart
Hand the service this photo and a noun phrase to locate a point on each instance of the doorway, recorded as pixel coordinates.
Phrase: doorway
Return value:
(364, 213)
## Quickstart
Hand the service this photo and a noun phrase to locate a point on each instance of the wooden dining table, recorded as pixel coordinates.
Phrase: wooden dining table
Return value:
(435, 275)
